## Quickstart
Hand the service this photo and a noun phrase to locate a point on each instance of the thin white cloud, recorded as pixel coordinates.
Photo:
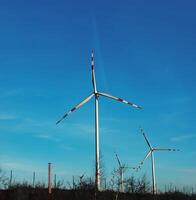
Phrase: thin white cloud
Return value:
(18, 92)
(181, 100)
(7, 117)
(183, 138)
(114, 120)
(47, 137)
(88, 129)
(27, 125)
(19, 166)
(66, 147)
(188, 170)
(14, 165)
(13, 92)
(84, 128)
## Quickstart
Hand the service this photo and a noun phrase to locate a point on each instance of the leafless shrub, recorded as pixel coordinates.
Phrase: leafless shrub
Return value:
(3, 180)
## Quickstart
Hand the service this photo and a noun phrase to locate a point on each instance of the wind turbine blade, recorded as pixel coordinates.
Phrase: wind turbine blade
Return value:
(130, 167)
(93, 72)
(138, 168)
(76, 107)
(147, 155)
(146, 139)
(118, 160)
(119, 99)
(165, 149)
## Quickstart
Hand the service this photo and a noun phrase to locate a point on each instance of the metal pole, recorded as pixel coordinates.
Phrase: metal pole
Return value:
(10, 182)
(97, 167)
(154, 190)
(73, 183)
(33, 179)
(49, 179)
(122, 181)
(55, 181)
(105, 180)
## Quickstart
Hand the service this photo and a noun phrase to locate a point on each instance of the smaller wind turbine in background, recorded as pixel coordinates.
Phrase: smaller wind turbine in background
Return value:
(122, 169)
(151, 152)
(81, 178)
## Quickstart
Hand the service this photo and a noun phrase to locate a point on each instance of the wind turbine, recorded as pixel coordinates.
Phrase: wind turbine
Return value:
(121, 172)
(96, 94)
(122, 169)
(151, 152)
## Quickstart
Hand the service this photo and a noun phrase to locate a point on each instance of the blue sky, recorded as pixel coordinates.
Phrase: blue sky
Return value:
(144, 52)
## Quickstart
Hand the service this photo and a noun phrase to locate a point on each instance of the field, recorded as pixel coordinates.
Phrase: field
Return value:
(28, 193)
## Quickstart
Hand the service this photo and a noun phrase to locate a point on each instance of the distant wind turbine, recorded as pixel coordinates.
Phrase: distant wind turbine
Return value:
(122, 169)
(121, 172)
(96, 94)
(151, 152)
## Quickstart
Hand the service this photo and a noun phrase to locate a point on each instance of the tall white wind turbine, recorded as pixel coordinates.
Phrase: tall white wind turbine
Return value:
(151, 152)
(96, 94)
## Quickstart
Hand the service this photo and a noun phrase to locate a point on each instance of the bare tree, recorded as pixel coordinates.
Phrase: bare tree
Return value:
(3, 180)
(131, 185)
(102, 172)
(143, 185)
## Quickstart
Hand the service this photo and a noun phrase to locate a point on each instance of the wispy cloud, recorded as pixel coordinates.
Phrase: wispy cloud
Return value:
(13, 92)
(84, 128)
(20, 166)
(14, 165)
(31, 125)
(183, 138)
(47, 137)
(7, 116)
(112, 120)
(18, 92)
(180, 100)
(66, 147)
(89, 129)
(188, 170)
